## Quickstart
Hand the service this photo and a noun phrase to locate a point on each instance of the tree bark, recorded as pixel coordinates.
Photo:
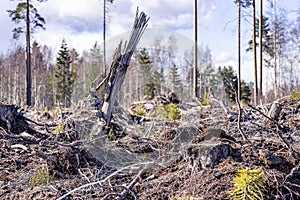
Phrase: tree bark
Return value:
(254, 52)
(275, 53)
(239, 51)
(195, 70)
(104, 35)
(260, 49)
(119, 66)
(28, 57)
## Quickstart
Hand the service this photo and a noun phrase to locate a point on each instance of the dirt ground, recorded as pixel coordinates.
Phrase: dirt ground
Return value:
(158, 159)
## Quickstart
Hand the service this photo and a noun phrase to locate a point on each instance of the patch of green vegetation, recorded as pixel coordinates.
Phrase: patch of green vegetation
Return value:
(59, 128)
(40, 177)
(139, 110)
(204, 101)
(111, 135)
(168, 111)
(248, 184)
(172, 111)
(160, 111)
(295, 94)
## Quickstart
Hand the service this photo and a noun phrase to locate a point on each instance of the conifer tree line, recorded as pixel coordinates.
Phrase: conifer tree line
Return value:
(67, 76)
(278, 40)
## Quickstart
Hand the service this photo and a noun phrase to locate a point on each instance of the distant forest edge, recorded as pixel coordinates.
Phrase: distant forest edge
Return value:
(151, 72)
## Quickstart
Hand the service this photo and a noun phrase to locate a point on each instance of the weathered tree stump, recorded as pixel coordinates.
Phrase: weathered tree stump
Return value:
(208, 149)
(207, 154)
(275, 110)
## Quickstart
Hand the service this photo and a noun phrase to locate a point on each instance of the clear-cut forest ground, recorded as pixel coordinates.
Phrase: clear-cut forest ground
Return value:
(194, 157)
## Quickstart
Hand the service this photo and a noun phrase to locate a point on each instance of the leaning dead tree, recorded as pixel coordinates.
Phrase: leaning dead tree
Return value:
(119, 66)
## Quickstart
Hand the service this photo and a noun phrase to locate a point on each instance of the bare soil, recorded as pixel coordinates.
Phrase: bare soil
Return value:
(158, 159)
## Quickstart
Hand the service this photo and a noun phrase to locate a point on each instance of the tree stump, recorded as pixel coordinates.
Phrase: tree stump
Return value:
(12, 120)
(207, 154)
(275, 110)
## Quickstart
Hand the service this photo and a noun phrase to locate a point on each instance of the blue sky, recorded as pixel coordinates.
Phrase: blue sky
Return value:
(80, 23)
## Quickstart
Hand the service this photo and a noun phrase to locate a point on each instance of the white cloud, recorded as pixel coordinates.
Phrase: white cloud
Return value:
(83, 19)
(224, 57)
(60, 10)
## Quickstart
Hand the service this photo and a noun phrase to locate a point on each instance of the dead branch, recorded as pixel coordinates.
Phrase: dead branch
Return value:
(100, 84)
(40, 123)
(293, 171)
(103, 180)
(280, 129)
(45, 156)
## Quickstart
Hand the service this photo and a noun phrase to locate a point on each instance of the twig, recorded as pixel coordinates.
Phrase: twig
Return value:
(39, 123)
(135, 180)
(103, 180)
(279, 132)
(149, 130)
(245, 138)
(292, 172)
(100, 84)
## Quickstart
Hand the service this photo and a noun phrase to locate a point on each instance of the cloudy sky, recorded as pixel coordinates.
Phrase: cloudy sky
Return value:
(80, 23)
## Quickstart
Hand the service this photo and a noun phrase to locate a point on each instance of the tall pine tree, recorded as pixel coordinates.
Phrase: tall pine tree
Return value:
(27, 13)
(64, 76)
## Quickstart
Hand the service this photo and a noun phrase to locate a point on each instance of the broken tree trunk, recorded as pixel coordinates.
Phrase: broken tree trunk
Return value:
(119, 66)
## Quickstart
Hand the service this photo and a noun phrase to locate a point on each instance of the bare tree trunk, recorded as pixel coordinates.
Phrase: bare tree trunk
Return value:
(104, 36)
(17, 97)
(260, 50)
(195, 70)
(28, 57)
(275, 54)
(239, 51)
(254, 52)
(1, 81)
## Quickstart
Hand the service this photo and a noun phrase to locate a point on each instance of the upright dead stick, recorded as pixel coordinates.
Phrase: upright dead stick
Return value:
(120, 64)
